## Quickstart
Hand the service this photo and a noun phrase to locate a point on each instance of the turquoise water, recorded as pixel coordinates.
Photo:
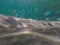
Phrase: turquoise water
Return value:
(34, 9)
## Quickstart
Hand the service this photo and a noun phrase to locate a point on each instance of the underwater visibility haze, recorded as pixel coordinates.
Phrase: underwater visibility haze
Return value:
(34, 9)
(42, 26)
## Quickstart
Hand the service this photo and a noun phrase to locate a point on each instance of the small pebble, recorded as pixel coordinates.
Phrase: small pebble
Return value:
(24, 25)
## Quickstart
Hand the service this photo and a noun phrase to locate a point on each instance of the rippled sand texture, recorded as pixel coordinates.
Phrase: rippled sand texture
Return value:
(18, 31)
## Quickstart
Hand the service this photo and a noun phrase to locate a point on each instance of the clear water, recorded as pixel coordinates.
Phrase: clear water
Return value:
(34, 9)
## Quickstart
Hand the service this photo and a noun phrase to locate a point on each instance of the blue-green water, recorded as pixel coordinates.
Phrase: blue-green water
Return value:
(34, 9)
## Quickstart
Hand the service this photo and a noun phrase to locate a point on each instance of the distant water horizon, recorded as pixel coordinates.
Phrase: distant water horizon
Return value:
(31, 9)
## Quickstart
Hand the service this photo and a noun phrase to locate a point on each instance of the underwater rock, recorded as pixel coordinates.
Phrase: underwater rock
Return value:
(19, 31)
(48, 13)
